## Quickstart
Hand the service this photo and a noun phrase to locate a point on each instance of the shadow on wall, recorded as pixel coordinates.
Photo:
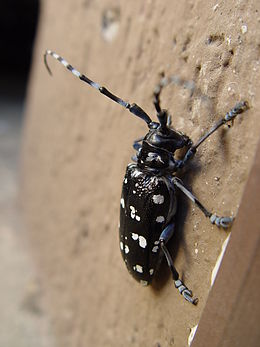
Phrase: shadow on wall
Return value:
(18, 23)
(22, 321)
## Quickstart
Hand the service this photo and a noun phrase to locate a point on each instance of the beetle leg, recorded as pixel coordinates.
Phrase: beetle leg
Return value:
(137, 145)
(229, 116)
(164, 237)
(223, 222)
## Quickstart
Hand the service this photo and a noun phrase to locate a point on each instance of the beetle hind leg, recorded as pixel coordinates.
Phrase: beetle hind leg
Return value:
(183, 290)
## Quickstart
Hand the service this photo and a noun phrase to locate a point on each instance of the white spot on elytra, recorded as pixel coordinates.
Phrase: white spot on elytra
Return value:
(156, 242)
(122, 201)
(151, 271)
(158, 199)
(155, 249)
(124, 247)
(133, 214)
(138, 268)
(141, 239)
(142, 242)
(125, 180)
(132, 211)
(160, 219)
(134, 236)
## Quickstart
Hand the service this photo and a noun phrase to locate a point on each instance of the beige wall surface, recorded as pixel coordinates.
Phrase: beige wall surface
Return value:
(76, 144)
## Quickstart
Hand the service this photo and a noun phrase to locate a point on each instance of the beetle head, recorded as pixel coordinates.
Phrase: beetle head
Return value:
(162, 135)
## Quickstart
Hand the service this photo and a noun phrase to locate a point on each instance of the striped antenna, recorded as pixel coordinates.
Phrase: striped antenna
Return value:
(133, 108)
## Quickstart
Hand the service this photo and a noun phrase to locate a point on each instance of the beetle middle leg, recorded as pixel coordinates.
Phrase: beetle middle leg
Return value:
(164, 237)
(223, 222)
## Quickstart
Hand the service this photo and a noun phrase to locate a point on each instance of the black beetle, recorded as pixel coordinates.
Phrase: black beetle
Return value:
(148, 201)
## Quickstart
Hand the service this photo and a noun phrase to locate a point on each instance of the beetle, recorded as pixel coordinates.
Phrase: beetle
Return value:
(149, 202)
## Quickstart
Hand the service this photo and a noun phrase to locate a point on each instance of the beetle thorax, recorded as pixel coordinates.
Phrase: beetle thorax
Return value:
(158, 147)
(152, 157)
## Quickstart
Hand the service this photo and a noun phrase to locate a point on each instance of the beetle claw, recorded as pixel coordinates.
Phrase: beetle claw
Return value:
(183, 290)
(188, 296)
(224, 222)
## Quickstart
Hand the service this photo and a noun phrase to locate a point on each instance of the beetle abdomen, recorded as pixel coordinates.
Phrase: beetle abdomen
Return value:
(147, 205)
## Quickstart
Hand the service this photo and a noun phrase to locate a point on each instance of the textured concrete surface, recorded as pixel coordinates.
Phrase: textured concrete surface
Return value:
(23, 321)
(77, 144)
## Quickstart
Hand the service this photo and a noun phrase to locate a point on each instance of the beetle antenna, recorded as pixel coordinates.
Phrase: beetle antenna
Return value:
(164, 82)
(133, 108)
(163, 119)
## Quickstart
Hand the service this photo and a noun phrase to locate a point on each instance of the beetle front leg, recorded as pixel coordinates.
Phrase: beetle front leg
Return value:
(183, 290)
(223, 222)
(229, 116)
(137, 145)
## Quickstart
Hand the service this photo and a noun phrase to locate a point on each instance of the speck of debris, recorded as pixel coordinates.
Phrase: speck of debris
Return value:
(217, 178)
(228, 39)
(110, 24)
(196, 250)
(215, 7)
(244, 29)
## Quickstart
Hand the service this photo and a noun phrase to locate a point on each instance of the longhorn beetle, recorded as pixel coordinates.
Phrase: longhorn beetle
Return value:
(148, 201)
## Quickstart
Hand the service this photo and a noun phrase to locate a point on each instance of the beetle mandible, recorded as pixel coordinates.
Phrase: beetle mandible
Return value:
(148, 201)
